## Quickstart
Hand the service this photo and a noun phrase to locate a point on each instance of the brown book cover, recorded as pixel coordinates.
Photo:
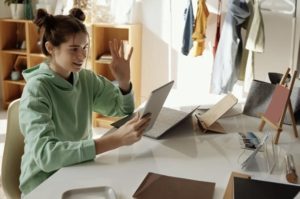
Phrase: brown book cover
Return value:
(167, 187)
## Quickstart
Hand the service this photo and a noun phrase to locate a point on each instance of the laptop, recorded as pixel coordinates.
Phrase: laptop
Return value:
(162, 118)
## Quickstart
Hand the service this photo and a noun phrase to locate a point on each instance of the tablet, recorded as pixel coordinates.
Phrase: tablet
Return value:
(153, 105)
(156, 102)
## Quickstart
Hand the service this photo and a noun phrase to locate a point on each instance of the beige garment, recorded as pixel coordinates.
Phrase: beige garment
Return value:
(200, 28)
(256, 36)
(254, 43)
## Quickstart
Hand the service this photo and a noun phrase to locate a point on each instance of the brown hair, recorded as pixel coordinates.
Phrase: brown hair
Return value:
(56, 29)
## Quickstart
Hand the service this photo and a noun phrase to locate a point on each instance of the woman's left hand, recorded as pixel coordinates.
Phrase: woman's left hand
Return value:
(120, 66)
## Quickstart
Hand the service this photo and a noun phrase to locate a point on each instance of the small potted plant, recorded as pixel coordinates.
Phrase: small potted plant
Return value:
(16, 8)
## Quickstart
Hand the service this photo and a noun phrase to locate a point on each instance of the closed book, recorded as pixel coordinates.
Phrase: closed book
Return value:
(258, 189)
(167, 187)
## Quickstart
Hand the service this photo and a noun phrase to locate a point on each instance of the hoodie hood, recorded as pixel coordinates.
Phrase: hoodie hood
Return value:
(44, 73)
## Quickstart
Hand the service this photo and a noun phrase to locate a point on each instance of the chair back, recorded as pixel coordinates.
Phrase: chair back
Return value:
(12, 154)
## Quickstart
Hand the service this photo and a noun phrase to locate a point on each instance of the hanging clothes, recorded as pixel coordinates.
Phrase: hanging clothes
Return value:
(218, 29)
(255, 42)
(187, 42)
(199, 33)
(226, 64)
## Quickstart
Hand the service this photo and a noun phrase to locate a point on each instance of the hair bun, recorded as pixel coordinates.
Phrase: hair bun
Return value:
(40, 17)
(77, 13)
(44, 19)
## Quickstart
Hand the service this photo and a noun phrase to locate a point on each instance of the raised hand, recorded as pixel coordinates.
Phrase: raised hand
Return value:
(120, 66)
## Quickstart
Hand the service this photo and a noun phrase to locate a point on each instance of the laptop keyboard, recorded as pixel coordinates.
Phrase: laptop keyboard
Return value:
(166, 119)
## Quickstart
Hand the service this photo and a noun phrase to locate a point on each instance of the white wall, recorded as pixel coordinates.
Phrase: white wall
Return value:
(278, 45)
(162, 59)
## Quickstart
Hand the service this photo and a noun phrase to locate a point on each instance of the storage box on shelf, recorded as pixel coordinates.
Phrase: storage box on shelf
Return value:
(131, 36)
(18, 50)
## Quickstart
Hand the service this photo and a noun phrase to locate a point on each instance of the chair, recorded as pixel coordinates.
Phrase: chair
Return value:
(12, 154)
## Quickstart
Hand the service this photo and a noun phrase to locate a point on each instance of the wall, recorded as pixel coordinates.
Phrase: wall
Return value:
(162, 59)
(4, 12)
(162, 38)
(279, 45)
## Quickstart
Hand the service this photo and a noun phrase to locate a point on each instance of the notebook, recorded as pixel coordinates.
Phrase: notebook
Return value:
(162, 118)
(249, 189)
(157, 186)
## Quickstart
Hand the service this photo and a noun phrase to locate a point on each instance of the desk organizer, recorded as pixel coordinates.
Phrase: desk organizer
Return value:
(258, 156)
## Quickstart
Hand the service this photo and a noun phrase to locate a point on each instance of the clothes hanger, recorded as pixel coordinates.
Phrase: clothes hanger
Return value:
(282, 6)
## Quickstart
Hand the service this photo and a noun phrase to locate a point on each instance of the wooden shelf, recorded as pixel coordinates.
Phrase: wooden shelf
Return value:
(14, 20)
(104, 121)
(15, 51)
(40, 55)
(102, 61)
(17, 82)
(13, 33)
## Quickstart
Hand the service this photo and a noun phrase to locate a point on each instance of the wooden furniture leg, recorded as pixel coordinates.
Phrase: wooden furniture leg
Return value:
(293, 118)
(277, 135)
(262, 124)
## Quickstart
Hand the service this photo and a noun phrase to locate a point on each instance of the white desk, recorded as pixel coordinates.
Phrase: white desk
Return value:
(182, 152)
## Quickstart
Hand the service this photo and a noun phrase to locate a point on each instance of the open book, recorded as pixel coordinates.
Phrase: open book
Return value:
(208, 120)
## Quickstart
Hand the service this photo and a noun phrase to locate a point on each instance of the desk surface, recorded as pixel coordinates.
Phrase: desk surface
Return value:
(182, 152)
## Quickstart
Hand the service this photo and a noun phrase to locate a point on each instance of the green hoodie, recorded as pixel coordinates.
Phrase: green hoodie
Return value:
(56, 120)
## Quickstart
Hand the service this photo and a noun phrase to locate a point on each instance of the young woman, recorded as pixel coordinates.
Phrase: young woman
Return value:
(59, 97)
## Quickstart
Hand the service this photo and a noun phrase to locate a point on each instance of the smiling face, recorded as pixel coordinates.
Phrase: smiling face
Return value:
(69, 56)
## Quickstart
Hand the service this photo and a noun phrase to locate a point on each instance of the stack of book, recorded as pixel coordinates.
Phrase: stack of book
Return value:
(105, 58)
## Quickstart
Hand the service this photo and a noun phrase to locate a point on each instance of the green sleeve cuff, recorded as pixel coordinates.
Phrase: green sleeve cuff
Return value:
(128, 91)
(88, 150)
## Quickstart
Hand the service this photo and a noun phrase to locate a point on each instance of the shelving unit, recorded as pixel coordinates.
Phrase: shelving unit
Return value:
(17, 33)
(101, 35)
(18, 39)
